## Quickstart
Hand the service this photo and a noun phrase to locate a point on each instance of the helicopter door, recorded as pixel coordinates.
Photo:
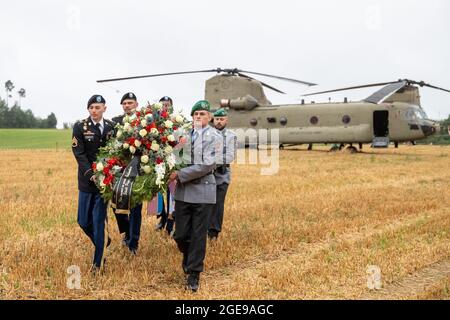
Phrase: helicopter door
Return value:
(380, 129)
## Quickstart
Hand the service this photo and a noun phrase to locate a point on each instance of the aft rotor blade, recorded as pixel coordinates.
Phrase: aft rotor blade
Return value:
(278, 77)
(158, 75)
(385, 92)
(351, 88)
(262, 83)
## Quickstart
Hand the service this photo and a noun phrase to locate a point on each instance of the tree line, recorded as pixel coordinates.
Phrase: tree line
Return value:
(15, 117)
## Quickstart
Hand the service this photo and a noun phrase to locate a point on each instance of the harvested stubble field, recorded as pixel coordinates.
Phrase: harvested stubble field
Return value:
(309, 232)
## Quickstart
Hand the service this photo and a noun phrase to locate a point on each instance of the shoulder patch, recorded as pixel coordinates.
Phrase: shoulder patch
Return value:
(74, 142)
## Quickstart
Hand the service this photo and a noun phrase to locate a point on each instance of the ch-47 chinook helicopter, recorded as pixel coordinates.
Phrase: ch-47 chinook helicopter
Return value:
(393, 113)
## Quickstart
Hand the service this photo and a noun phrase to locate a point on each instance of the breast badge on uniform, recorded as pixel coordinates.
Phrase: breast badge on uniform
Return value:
(74, 142)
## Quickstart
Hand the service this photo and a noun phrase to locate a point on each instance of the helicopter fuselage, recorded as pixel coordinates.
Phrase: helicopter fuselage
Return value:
(354, 122)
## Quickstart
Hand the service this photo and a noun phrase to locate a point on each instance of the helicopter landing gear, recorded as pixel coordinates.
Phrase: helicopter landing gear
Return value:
(396, 144)
(281, 146)
(310, 146)
(360, 146)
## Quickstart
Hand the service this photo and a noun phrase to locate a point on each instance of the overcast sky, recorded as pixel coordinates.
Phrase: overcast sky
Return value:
(57, 50)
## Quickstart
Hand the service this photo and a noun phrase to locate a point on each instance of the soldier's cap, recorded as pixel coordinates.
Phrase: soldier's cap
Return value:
(166, 98)
(128, 96)
(221, 113)
(201, 105)
(96, 98)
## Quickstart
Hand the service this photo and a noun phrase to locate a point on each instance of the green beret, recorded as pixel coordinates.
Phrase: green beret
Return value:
(220, 113)
(201, 105)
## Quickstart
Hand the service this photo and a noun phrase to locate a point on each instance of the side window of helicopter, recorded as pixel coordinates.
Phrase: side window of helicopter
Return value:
(271, 120)
(314, 120)
(253, 122)
(346, 119)
(283, 121)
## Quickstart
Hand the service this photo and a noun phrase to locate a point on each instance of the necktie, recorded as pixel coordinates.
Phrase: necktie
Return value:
(97, 127)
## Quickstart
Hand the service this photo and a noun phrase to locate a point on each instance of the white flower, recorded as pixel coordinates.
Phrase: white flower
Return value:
(154, 131)
(102, 184)
(143, 133)
(171, 138)
(132, 149)
(143, 122)
(116, 169)
(133, 117)
(99, 166)
(179, 119)
(168, 150)
(160, 170)
(126, 119)
(101, 178)
(168, 124)
(144, 159)
(126, 126)
(171, 161)
(126, 145)
(155, 146)
(158, 106)
(147, 169)
(137, 143)
(119, 133)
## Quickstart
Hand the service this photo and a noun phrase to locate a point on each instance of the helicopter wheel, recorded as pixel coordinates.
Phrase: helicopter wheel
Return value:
(351, 149)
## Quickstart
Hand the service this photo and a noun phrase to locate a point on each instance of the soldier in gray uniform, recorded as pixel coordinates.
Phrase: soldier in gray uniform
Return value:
(222, 172)
(195, 194)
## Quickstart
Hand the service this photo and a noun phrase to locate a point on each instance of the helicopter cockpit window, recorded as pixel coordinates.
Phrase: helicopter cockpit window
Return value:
(346, 119)
(283, 121)
(414, 114)
(253, 122)
(314, 120)
(271, 120)
(421, 114)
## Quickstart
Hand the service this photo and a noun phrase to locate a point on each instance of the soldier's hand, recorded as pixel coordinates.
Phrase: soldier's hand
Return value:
(181, 142)
(173, 176)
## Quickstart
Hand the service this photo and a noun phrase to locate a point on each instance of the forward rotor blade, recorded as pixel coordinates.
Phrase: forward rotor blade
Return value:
(262, 83)
(351, 88)
(158, 75)
(434, 87)
(278, 77)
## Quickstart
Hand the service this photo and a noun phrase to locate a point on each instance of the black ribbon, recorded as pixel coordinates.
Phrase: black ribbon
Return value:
(121, 197)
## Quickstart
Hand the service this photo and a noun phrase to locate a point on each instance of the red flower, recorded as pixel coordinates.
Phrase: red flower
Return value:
(160, 130)
(163, 139)
(131, 141)
(138, 114)
(159, 160)
(175, 128)
(165, 114)
(94, 166)
(106, 170)
(108, 179)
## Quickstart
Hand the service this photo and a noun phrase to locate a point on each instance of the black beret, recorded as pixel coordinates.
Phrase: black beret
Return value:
(96, 98)
(166, 98)
(128, 96)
